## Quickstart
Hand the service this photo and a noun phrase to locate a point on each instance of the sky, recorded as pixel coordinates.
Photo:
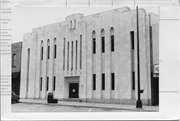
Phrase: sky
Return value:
(24, 19)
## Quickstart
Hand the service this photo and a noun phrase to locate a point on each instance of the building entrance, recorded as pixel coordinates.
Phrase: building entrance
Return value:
(73, 90)
(155, 91)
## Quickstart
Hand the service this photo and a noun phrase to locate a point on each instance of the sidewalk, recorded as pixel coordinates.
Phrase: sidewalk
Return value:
(94, 105)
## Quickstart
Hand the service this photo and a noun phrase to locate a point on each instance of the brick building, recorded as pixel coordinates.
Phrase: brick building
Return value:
(16, 66)
(93, 58)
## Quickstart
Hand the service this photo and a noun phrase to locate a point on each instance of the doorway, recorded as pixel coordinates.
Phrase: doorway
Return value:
(73, 90)
(155, 91)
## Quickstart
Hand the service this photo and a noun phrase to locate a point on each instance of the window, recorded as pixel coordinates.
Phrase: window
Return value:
(94, 45)
(41, 84)
(112, 38)
(70, 24)
(112, 43)
(54, 83)
(94, 42)
(112, 81)
(54, 51)
(132, 39)
(41, 49)
(103, 44)
(103, 81)
(103, 40)
(80, 51)
(72, 55)
(48, 51)
(14, 58)
(76, 52)
(47, 85)
(94, 81)
(55, 47)
(133, 80)
(41, 53)
(28, 63)
(74, 24)
(68, 56)
(64, 54)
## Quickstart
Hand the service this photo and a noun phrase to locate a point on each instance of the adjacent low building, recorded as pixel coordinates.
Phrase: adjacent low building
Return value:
(93, 58)
(16, 66)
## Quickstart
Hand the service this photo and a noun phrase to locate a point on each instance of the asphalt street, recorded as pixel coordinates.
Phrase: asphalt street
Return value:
(27, 107)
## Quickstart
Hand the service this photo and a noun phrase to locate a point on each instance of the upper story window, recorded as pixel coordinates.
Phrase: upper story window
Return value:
(70, 24)
(55, 48)
(74, 24)
(94, 41)
(42, 50)
(14, 58)
(48, 52)
(132, 39)
(103, 40)
(112, 38)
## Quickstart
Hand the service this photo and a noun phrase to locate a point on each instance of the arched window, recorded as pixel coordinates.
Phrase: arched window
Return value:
(14, 58)
(94, 41)
(48, 52)
(74, 24)
(112, 38)
(41, 49)
(55, 47)
(103, 40)
(70, 24)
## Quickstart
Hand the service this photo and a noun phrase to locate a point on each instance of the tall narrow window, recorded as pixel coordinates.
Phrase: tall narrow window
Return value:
(94, 42)
(103, 40)
(48, 51)
(112, 81)
(54, 51)
(112, 38)
(28, 62)
(94, 45)
(132, 47)
(151, 42)
(41, 84)
(54, 83)
(103, 44)
(41, 53)
(103, 81)
(94, 81)
(68, 56)
(64, 54)
(55, 47)
(133, 80)
(47, 84)
(80, 51)
(14, 57)
(132, 39)
(74, 24)
(70, 24)
(76, 52)
(72, 55)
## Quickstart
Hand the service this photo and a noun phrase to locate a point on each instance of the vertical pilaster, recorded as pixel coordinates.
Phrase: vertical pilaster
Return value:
(98, 63)
(89, 62)
(107, 64)
(50, 64)
(38, 67)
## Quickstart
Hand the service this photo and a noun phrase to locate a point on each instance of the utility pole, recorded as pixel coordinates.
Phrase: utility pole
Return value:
(138, 103)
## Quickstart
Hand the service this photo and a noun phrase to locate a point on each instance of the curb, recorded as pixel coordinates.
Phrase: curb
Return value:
(138, 110)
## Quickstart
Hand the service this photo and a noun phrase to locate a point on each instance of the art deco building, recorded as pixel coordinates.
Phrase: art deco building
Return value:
(93, 58)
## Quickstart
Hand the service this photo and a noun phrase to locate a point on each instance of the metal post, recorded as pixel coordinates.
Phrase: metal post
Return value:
(138, 103)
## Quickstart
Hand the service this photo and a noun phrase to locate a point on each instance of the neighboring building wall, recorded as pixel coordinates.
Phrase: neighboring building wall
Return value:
(81, 64)
(16, 66)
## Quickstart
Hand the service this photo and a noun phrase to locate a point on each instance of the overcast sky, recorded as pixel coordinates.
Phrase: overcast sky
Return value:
(24, 19)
